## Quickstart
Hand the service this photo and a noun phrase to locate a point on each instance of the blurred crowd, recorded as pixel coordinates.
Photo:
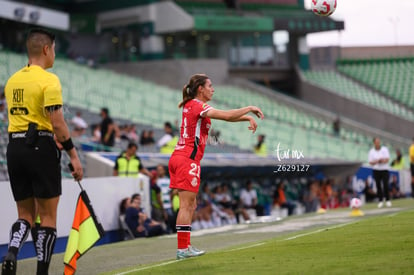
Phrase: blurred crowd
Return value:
(228, 203)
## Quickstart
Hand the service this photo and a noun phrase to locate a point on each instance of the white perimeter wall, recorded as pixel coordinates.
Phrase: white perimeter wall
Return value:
(104, 193)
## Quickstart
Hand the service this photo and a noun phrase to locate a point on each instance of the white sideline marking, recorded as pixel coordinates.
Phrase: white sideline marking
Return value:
(317, 231)
(147, 267)
(246, 247)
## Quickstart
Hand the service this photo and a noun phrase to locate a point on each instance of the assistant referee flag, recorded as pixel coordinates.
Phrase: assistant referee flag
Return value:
(86, 231)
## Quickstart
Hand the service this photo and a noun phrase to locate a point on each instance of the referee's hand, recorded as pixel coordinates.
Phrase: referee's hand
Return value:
(77, 171)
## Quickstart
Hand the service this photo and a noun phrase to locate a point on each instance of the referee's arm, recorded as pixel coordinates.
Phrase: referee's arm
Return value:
(61, 130)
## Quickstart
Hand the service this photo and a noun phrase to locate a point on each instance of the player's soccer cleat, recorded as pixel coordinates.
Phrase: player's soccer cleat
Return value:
(196, 250)
(189, 253)
(380, 205)
(9, 265)
(388, 204)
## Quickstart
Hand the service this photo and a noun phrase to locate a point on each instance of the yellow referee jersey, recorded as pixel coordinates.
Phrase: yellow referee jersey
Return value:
(27, 93)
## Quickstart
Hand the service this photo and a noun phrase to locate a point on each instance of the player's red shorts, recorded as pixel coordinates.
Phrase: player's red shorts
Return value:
(184, 173)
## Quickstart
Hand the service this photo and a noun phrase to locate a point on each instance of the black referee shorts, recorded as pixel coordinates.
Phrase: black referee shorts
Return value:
(34, 171)
(412, 169)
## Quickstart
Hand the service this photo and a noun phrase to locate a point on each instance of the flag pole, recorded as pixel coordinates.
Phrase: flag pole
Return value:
(71, 169)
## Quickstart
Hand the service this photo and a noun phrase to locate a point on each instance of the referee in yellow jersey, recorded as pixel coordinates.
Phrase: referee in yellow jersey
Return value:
(34, 100)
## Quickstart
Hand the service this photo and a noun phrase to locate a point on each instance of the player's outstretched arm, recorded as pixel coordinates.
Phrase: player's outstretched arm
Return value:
(235, 114)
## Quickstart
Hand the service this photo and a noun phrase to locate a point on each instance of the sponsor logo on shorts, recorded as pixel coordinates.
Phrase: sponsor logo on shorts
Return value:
(194, 182)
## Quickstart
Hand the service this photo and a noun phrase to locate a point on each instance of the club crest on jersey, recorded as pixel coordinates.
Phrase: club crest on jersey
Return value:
(205, 105)
(185, 110)
(194, 182)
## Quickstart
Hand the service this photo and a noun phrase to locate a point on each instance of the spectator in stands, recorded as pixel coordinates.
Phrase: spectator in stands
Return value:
(96, 133)
(395, 188)
(108, 128)
(168, 141)
(123, 132)
(143, 137)
(203, 215)
(147, 137)
(336, 126)
(132, 134)
(161, 208)
(209, 213)
(378, 158)
(128, 164)
(3, 107)
(3, 112)
(370, 194)
(311, 197)
(411, 154)
(163, 181)
(398, 163)
(175, 203)
(123, 206)
(215, 137)
(79, 125)
(260, 148)
(224, 201)
(151, 139)
(157, 207)
(326, 194)
(248, 198)
(2, 96)
(280, 200)
(139, 222)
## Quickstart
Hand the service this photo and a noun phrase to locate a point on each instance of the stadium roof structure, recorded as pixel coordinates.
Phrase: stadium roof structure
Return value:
(258, 16)
(227, 165)
(296, 21)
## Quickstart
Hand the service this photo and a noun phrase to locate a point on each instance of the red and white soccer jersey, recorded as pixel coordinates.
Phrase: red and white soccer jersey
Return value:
(184, 164)
(194, 130)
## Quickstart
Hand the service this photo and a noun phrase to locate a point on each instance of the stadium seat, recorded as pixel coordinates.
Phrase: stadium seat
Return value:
(125, 231)
(391, 77)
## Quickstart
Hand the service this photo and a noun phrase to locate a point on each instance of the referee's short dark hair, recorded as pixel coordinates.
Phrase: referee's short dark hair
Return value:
(41, 31)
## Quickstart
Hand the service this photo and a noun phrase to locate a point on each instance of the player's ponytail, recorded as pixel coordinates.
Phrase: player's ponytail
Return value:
(190, 89)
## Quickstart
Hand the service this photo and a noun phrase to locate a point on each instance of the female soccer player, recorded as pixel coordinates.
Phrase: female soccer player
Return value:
(184, 164)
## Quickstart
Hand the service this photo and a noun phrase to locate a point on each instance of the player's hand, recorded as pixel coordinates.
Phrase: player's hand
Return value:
(77, 172)
(253, 125)
(256, 110)
(58, 144)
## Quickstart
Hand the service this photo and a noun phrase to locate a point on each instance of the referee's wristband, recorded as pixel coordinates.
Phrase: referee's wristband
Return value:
(67, 144)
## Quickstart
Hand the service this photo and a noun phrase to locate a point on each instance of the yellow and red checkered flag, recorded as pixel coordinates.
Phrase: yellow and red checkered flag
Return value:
(86, 231)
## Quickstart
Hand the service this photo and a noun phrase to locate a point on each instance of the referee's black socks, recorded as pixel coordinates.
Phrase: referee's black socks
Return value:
(33, 231)
(45, 243)
(18, 235)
